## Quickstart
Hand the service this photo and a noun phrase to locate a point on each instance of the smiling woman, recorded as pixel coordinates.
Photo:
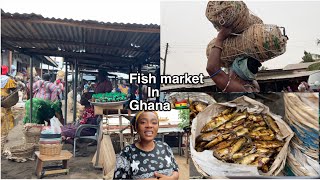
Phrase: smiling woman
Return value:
(146, 159)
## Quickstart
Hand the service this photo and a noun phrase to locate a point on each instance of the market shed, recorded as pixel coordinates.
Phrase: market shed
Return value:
(83, 44)
(113, 46)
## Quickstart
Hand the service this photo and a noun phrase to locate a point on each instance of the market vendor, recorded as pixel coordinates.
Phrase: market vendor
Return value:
(8, 85)
(88, 117)
(242, 74)
(103, 85)
(147, 158)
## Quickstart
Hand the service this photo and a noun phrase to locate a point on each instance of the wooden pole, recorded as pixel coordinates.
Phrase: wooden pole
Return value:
(31, 87)
(65, 92)
(165, 59)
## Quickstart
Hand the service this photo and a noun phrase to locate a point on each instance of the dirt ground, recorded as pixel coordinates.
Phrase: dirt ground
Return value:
(80, 167)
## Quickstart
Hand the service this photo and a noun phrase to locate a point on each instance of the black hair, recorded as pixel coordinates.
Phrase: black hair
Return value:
(133, 123)
(253, 65)
(46, 77)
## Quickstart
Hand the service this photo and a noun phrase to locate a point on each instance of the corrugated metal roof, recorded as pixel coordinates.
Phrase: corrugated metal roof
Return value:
(93, 43)
(261, 77)
(298, 66)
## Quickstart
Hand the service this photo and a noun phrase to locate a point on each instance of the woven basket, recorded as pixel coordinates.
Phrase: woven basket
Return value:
(32, 133)
(231, 14)
(10, 100)
(50, 149)
(262, 42)
(303, 159)
(24, 150)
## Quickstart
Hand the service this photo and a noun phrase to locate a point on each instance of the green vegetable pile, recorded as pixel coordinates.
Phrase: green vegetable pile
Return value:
(109, 97)
(41, 110)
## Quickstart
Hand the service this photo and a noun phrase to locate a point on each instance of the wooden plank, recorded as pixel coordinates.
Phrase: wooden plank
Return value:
(64, 155)
(58, 171)
(98, 110)
(39, 166)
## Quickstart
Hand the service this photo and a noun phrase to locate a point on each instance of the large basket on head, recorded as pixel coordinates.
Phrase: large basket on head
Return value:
(10, 100)
(50, 149)
(261, 41)
(231, 14)
(23, 150)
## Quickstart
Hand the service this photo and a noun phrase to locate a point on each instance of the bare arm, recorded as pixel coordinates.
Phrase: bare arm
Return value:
(174, 176)
(214, 64)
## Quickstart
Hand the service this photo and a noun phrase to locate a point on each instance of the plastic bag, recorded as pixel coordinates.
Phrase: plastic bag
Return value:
(55, 125)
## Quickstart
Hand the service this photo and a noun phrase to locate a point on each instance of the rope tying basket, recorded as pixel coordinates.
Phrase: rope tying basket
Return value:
(50, 149)
(23, 151)
(231, 14)
(10, 100)
(261, 41)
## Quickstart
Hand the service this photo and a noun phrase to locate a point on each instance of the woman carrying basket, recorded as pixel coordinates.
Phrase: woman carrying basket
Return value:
(8, 85)
(242, 74)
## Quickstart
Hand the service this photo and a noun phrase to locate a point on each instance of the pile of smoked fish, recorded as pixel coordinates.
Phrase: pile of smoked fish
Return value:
(242, 138)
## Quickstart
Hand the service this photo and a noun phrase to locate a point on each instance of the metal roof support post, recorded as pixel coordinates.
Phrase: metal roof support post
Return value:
(41, 68)
(140, 85)
(158, 76)
(132, 94)
(65, 93)
(75, 93)
(31, 87)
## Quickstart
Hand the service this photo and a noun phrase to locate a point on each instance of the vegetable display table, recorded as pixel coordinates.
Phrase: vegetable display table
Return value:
(41, 171)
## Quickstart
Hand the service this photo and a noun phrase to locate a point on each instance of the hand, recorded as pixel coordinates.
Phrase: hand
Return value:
(223, 34)
(161, 176)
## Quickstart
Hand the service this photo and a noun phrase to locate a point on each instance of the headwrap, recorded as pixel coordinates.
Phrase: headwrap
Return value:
(13, 71)
(136, 118)
(240, 67)
(4, 70)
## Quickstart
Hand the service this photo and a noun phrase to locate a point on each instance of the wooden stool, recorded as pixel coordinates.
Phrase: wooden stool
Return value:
(64, 156)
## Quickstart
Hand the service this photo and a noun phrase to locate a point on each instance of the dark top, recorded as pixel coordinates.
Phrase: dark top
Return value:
(134, 163)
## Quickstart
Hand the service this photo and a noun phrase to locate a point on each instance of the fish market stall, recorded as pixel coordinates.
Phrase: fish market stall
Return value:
(239, 138)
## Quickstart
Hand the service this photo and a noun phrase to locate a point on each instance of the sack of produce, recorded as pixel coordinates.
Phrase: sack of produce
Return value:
(261, 41)
(239, 138)
(42, 110)
(301, 111)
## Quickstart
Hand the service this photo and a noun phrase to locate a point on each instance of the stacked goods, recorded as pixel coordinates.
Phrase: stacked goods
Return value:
(50, 141)
(32, 134)
(109, 97)
(257, 40)
(231, 14)
(262, 42)
(42, 110)
(240, 136)
(302, 114)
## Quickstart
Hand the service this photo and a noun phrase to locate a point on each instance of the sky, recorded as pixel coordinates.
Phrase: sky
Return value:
(186, 29)
(126, 11)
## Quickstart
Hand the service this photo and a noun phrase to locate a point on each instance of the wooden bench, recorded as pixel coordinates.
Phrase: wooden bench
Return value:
(41, 171)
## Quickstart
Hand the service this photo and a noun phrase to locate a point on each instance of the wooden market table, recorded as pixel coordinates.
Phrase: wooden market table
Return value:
(99, 109)
(41, 170)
